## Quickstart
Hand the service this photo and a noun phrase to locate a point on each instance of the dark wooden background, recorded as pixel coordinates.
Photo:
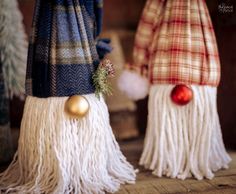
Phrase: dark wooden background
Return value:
(124, 15)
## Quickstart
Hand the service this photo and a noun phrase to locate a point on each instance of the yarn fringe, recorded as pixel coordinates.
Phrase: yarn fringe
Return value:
(60, 155)
(184, 141)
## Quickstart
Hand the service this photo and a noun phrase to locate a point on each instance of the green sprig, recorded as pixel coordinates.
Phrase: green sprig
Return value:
(100, 81)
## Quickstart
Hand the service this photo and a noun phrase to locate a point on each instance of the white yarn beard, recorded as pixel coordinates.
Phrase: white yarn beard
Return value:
(61, 155)
(184, 141)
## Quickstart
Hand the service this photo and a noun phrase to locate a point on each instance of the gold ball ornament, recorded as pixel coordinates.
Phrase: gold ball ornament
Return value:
(77, 106)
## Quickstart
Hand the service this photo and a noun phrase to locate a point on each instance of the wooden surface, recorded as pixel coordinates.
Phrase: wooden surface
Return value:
(223, 183)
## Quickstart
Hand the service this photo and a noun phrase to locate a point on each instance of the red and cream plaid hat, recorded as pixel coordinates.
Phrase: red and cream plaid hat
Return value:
(175, 44)
(176, 54)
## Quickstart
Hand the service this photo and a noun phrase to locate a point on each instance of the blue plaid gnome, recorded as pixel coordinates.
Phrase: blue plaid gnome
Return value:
(66, 144)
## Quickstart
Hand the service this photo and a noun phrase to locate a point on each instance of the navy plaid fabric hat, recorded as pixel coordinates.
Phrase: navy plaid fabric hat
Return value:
(62, 52)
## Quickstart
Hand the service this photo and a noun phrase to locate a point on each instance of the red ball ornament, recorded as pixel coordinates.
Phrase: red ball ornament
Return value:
(181, 94)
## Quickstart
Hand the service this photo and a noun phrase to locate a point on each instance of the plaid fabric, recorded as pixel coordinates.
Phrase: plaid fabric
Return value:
(175, 43)
(62, 53)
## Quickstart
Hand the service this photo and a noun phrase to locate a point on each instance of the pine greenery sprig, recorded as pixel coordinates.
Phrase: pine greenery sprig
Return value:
(100, 78)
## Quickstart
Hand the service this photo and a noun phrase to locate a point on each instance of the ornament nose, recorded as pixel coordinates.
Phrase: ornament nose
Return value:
(181, 94)
(77, 106)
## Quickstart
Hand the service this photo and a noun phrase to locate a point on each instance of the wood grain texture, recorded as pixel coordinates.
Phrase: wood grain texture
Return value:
(223, 183)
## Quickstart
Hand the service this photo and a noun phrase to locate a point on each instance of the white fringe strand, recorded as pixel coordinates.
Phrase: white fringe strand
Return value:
(133, 85)
(60, 155)
(184, 141)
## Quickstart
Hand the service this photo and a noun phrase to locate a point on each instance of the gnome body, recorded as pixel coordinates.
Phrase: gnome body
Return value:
(175, 46)
(58, 153)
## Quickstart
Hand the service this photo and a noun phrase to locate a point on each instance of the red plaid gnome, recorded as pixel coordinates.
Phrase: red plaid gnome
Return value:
(176, 61)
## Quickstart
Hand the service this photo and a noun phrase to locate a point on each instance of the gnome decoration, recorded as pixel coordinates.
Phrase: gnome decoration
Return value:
(177, 62)
(66, 144)
(13, 55)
